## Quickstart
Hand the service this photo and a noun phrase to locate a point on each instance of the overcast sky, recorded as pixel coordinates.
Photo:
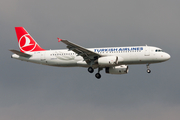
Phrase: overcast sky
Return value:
(35, 92)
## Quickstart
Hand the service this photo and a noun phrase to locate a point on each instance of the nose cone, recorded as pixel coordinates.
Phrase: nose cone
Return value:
(167, 56)
(162, 57)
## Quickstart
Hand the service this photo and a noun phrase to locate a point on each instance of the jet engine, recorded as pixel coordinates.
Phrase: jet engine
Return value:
(122, 69)
(109, 60)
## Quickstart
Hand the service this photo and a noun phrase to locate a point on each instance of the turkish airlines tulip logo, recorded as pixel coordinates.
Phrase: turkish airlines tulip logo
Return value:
(26, 43)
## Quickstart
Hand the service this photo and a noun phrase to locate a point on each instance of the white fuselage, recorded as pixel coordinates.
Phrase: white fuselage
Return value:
(114, 60)
(126, 56)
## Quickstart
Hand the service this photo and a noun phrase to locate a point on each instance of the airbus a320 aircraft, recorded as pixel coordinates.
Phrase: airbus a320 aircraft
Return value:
(114, 60)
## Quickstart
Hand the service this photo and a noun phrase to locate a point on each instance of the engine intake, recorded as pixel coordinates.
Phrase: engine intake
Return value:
(122, 69)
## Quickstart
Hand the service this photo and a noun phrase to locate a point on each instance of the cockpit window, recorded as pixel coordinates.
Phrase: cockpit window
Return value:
(158, 50)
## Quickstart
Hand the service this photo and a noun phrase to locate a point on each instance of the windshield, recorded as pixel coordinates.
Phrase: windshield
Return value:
(158, 50)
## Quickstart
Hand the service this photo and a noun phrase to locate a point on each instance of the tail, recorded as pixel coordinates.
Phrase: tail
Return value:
(26, 42)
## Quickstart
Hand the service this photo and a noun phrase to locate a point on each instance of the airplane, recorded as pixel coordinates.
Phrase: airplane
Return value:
(114, 60)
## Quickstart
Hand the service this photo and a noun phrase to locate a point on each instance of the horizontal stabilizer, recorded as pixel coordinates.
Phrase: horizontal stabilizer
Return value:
(20, 53)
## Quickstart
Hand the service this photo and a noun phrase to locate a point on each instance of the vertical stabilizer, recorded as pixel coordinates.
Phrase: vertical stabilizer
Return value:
(26, 42)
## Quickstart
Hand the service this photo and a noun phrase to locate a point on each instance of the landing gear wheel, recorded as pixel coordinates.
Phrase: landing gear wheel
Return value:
(90, 69)
(148, 71)
(98, 75)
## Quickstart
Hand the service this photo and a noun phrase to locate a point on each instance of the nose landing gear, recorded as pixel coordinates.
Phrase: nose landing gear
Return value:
(148, 70)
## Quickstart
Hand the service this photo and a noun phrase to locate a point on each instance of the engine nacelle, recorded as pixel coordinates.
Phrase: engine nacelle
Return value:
(109, 60)
(122, 69)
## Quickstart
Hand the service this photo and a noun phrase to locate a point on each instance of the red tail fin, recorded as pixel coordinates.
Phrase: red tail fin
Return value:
(26, 42)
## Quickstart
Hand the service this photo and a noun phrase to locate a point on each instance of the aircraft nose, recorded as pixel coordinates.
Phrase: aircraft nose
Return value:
(167, 56)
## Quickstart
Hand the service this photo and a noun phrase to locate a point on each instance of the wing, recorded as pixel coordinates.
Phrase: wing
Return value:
(20, 53)
(88, 55)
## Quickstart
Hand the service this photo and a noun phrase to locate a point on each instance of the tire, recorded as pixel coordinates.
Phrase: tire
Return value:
(98, 75)
(90, 69)
(148, 71)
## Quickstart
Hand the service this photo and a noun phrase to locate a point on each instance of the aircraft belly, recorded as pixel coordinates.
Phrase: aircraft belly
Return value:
(61, 62)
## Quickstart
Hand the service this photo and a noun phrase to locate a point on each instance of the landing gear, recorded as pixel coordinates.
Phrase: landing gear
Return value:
(148, 70)
(90, 69)
(98, 75)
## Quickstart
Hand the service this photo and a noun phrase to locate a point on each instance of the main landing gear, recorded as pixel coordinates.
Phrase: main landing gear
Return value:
(148, 70)
(97, 75)
(90, 69)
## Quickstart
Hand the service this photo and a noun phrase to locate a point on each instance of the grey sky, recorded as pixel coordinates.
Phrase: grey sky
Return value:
(36, 92)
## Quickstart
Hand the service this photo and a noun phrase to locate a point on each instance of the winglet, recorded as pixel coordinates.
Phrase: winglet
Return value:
(59, 40)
